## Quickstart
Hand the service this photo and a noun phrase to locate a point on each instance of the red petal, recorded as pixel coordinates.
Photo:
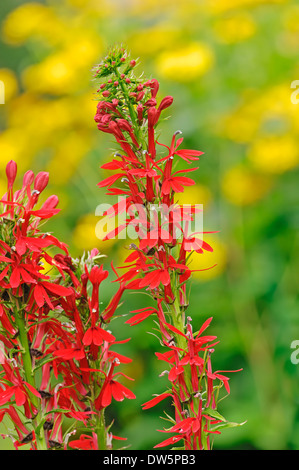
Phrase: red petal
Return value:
(167, 442)
(32, 390)
(39, 295)
(106, 396)
(106, 336)
(154, 401)
(87, 339)
(110, 180)
(204, 326)
(20, 396)
(126, 392)
(57, 289)
(139, 318)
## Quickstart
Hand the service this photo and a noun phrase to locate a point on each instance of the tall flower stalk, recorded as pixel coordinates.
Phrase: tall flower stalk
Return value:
(56, 353)
(148, 180)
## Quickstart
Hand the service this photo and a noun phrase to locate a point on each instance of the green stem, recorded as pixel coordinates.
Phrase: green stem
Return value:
(99, 416)
(101, 431)
(29, 377)
(25, 352)
(178, 322)
(127, 99)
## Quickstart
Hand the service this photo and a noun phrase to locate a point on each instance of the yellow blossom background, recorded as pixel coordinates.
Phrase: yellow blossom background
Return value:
(229, 65)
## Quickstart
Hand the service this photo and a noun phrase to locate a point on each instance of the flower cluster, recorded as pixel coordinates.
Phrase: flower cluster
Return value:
(146, 178)
(56, 356)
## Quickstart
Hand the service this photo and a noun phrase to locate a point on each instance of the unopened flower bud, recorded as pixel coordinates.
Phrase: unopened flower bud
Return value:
(51, 202)
(139, 110)
(165, 103)
(94, 252)
(150, 102)
(11, 173)
(28, 178)
(140, 96)
(152, 116)
(124, 125)
(154, 85)
(41, 181)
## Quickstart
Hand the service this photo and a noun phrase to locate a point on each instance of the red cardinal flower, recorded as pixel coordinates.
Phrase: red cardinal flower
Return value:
(96, 335)
(113, 389)
(85, 442)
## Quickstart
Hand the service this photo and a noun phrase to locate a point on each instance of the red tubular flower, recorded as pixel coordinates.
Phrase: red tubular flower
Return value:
(112, 389)
(96, 335)
(176, 183)
(152, 121)
(85, 442)
(19, 389)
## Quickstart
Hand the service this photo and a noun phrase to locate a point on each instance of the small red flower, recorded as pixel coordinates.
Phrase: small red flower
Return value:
(96, 335)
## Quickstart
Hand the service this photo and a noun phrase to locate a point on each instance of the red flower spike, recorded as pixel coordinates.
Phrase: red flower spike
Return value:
(159, 261)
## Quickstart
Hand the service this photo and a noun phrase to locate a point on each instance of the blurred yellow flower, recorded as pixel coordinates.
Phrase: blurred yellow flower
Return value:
(274, 154)
(87, 234)
(220, 6)
(15, 146)
(261, 112)
(243, 122)
(66, 70)
(10, 82)
(138, 7)
(100, 8)
(30, 19)
(197, 194)
(291, 18)
(3, 185)
(70, 150)
(47, 268)
(39, 117)
(208, 259)
(235, 27)
(243, 186)
(55, 74)
(185, 64)
(153, 40)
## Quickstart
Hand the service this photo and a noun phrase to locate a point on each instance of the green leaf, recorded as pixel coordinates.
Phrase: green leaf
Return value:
(221, 426)
(213, 413)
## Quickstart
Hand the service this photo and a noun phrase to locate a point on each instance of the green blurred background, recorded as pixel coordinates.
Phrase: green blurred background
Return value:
(229, 65)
